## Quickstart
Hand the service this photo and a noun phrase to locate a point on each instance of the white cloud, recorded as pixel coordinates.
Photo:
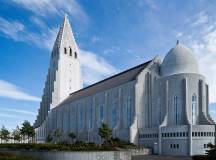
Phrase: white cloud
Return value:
(94, 67)
(95, 39)
(202, 40)
(5, 115)
(54, 7)
(18, 32)
(150, 3)
(200, 19)
(9, 90)
(20, 111)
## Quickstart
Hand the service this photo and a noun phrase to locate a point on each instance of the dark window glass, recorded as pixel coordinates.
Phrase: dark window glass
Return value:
(75, 54)
(70, 52)
(65, 50)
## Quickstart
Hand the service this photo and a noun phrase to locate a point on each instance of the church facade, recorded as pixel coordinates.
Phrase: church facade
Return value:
(158, 104)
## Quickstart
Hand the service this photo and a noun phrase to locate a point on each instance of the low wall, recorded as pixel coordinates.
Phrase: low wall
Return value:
(86, 155)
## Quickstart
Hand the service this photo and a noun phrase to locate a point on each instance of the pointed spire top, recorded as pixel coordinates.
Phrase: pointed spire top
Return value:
(65, 29)
(65, 16)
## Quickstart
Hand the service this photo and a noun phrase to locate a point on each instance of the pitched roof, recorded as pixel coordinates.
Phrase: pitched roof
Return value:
(111, 82)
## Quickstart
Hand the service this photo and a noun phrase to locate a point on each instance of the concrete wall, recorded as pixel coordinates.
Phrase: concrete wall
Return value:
(106, 155)
(117, 102)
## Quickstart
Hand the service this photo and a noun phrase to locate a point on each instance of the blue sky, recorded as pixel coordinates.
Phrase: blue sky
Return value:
(112, 35)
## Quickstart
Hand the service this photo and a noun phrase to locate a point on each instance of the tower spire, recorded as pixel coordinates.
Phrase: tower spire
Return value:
(64, 31)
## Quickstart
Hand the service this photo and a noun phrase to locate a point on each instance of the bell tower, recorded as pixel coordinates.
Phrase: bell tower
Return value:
(64, 73)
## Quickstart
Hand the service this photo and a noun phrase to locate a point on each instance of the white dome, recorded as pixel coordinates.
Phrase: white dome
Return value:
(179, 59)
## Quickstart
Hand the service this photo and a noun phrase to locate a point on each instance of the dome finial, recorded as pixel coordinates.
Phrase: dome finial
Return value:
(177, 42)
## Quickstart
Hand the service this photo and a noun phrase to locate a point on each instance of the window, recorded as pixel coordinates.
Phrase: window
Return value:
(198, 134)
(80, 122)
(75, 54)
(114, 114)
(90, 117)
(70, 52)
(129, 112)
(101, 116)
(65, 50)
(171, 146)
(180, 134)
(194, 109)
(175, 110)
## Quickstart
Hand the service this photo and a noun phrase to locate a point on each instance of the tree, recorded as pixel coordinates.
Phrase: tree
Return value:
(17, 134)
(72, 135)
(49, 138)
(57, 134)
(105, 132)
(27, 130)
(211, 153)
(4, 134)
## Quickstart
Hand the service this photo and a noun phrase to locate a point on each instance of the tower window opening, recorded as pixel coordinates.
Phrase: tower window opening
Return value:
(75, 54)
(70, 52)
(65, 50)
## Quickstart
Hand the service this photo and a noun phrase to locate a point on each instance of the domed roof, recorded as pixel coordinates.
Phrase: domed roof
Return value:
(179, 59)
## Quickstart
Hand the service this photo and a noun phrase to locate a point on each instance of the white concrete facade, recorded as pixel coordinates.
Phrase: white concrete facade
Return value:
(162, 105)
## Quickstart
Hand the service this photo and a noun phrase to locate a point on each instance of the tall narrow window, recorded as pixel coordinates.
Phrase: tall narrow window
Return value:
(194, 109)
(114, 114)
(80, 122)
(101, 116)
(65, 50)
(129, 112)
(70, 52)
(90, 117)
(75, 54)
(176, 110)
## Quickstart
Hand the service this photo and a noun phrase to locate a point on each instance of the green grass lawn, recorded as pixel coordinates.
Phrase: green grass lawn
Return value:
(12, 156)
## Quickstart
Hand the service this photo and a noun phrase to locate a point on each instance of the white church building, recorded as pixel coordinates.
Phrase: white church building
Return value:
(162, 105)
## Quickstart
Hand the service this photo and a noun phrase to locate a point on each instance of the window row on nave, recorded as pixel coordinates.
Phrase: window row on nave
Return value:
(114, 107)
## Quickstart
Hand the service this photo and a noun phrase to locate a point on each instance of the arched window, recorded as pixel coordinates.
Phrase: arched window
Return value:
(70, 52)
(194, 109)
(65, 50)
(129, 117)
(75, 54)
(176, 110)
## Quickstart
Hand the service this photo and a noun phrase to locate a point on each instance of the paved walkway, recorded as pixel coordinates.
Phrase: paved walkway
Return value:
(156, 157)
